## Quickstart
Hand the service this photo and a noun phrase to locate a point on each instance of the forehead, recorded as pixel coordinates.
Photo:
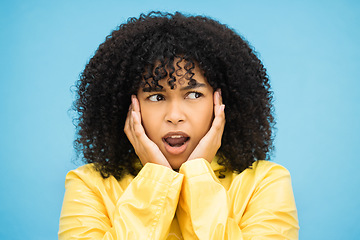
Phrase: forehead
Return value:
(179, 73)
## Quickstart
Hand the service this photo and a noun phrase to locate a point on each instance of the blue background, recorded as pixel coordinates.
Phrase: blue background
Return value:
(310, 48)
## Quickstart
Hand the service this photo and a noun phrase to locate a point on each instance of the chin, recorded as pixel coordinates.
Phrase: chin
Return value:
(176, 164)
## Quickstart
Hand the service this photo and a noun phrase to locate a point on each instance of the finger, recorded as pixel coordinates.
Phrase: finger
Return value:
(128, 129)
(127, 121)
(220, 96)
(217, 127)
(219, 119)
(138, 128)
(217, 100)
(134, 109)
(220, 112)
(218, 123)
(136, 117)
(131, 119)
(135, 103)
(131, 128)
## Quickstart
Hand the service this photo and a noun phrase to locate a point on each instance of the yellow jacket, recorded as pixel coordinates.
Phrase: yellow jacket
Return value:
(160, 203)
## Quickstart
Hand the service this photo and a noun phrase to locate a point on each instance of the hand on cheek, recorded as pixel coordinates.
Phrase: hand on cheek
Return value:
(146, 149)
(211, 142)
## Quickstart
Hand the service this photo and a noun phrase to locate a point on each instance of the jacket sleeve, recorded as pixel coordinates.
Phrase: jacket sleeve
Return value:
(143, 211)
(205, 210)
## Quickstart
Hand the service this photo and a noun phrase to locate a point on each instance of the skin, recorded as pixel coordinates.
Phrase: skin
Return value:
(196, 111)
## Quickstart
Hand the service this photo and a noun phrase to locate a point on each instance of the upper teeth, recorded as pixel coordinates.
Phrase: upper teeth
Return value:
(176, 136)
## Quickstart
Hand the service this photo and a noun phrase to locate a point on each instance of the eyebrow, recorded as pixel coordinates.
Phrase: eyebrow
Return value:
(197, 85)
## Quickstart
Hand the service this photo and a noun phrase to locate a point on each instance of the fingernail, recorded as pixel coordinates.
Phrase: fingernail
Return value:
(219, 91)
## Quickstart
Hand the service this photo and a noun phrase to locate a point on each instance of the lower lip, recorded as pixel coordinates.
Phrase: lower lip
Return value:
(175, 150)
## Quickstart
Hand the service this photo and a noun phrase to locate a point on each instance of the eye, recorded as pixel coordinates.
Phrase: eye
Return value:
(194, 95)
(156, 97)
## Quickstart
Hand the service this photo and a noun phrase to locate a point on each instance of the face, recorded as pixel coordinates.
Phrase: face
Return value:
(177, 119)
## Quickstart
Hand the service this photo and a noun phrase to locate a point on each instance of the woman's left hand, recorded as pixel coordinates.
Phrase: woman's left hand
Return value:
(211, 142)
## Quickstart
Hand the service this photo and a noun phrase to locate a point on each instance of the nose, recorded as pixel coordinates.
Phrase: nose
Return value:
(175, 114)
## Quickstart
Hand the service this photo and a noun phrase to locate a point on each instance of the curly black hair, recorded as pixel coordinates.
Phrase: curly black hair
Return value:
(132, 53)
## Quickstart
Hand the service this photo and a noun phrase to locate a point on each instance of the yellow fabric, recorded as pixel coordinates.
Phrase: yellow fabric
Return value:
(193, 204)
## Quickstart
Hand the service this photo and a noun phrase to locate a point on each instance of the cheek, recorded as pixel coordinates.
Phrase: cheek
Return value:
(149, 121)
(204, 118)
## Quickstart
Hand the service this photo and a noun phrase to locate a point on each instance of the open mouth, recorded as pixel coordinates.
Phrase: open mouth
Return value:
(176, 140)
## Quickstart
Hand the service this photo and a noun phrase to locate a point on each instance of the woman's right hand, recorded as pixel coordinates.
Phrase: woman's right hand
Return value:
(145, 149)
